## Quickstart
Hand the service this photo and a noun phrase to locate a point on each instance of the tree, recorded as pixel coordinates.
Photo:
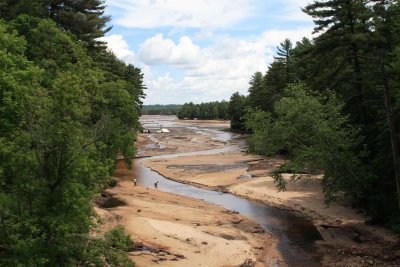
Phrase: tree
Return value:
(256, 90)
(161, 109)
(327, 150)
(238, 105)
(304, 64)
(62, 126)
(265, 90)
(284, 55)
(344, 23)
(355, 57)
(83, 18)
(204, 111)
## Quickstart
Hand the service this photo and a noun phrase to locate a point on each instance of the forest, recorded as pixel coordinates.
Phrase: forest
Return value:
(205, 111)
(68, 107)
(161, 109)
(332, 105)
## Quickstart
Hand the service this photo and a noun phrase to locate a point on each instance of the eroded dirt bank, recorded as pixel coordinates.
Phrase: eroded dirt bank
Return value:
(179, 231)
(348, 240)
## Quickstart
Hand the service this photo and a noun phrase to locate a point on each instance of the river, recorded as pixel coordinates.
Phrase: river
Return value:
(296, 235)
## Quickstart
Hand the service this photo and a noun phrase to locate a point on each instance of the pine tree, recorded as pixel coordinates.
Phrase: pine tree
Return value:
(83, 18)
(354, 55)
(284, 55)
(343, 24)
(256, 95)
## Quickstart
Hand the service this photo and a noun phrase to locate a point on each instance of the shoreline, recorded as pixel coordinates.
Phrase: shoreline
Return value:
(350, 241)
(225, 190)
(345, 243)
(318, 219)
(181, 231)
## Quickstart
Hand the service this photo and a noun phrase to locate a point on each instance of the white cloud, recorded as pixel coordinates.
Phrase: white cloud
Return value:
(210, 71)
(293, 9)
(275, 37)
(117, 44)
(214, 72)
(178, 13)
(157, 50)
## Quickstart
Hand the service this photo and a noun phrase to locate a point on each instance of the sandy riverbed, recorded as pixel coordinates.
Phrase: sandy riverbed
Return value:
(234, 172)
(250, 176)
(184, 232)
(181, 231)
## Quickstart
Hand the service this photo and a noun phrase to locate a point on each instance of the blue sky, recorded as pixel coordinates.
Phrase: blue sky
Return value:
(201, 50)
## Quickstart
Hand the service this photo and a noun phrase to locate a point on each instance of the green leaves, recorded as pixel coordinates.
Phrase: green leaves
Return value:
(342, 119)
(313, 131)
(84, 18)
(204, 111)
(63, 122)
(237, 109)
(110, 250)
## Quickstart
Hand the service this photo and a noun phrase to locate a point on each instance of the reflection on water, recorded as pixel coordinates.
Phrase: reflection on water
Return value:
(296, 235)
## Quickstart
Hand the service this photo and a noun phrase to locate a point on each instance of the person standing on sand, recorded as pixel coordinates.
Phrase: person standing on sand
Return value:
(156, 184)
(134, 181)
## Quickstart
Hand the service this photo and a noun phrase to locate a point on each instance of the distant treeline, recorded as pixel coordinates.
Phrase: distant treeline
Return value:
(161, 109)
(205, 111)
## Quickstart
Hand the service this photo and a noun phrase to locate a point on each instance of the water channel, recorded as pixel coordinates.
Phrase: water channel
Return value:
(296, 235)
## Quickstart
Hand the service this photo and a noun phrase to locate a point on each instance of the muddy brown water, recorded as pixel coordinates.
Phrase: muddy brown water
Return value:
(296, 235)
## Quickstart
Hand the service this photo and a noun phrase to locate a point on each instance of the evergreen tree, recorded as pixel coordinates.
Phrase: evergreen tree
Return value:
(256, 90)
(353, 56)
(344, 24)
(284, 55)
(238, 105)
(83, 18)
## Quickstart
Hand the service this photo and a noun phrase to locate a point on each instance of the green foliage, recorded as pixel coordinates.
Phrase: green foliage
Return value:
(116, 242)
(354, 57)
(317, 136)
(112, 183)
(117, 239)
(237, 109)
(204, 111)
(110, 250)
(161, 109)
(84, 18)
(349, 109)
(266, 89)
(63, 120)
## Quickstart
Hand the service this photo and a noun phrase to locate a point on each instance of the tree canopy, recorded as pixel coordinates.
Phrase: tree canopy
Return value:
(204, 111)
(333, 104)
(64, 118)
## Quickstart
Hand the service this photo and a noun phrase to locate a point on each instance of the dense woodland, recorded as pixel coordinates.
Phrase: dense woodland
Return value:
(205, 111)
(68, 107)
(332, 104)
(161, 109)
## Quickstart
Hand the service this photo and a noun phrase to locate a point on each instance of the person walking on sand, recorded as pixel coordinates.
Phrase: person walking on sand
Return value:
(156, 184)
(134, 181)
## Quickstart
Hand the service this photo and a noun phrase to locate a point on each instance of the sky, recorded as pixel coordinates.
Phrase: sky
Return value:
(201, 50)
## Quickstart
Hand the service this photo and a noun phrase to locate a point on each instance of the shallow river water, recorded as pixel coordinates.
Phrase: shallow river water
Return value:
(296, 235)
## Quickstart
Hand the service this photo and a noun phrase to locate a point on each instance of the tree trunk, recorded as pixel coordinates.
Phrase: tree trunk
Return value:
(392, 127)
(358, 82)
